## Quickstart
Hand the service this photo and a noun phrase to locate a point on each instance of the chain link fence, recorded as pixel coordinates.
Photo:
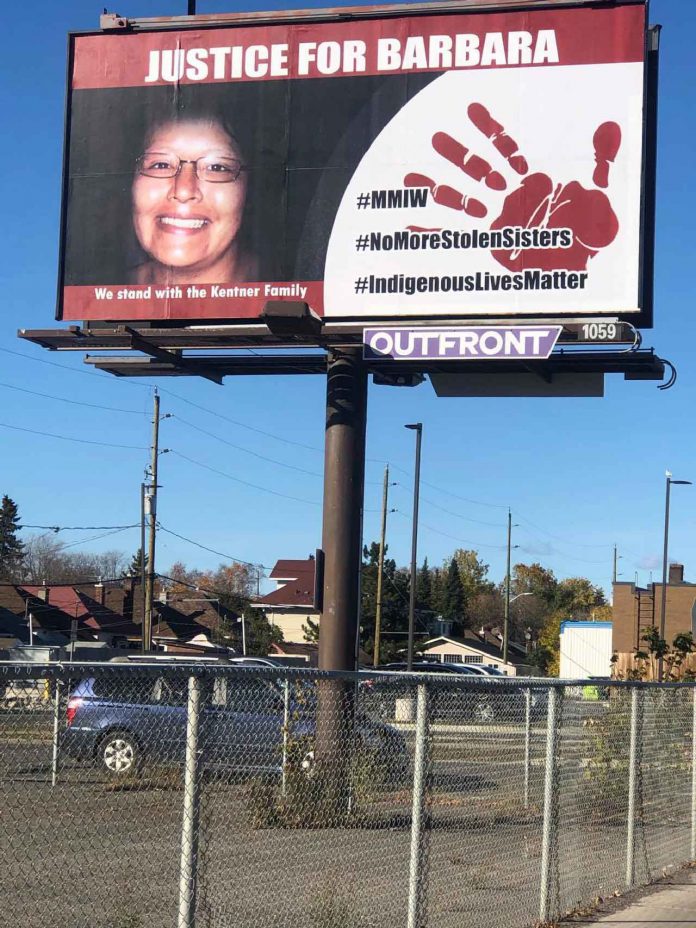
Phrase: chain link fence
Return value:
(203, 796)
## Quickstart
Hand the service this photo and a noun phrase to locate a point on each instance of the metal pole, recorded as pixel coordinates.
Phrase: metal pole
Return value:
(243, 634)
(663, 611)
(344, 466)
(615, 571)
(548, 834)
(418, 428)
(286, 723)
(142, 561)
(632, 781)
(189, 827)
(693, 778)
(149, 590)
(527, 742)
(191, 8)
(56, 732)
(344, 469)
(380, 568)
(417, 880)
(506, 619)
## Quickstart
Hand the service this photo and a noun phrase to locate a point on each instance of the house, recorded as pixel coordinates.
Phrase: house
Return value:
(292, 604)
(471, 648)
(109, 614)
(636, 609)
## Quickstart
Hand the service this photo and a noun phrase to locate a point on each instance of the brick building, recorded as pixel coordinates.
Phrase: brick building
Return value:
(637, 608)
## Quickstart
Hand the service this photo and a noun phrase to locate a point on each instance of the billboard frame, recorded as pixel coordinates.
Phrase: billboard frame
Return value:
(642, 319)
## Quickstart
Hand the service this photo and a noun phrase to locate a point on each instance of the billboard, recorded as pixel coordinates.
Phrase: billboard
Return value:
(381, 167)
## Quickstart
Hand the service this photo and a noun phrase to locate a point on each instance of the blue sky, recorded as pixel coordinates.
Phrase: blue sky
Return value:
(578, 474)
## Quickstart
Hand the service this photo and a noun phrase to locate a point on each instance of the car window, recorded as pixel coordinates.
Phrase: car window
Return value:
(253, 696)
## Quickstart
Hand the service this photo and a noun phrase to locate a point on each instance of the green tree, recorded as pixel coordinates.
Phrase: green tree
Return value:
(453, 598)
(394, 596)
(424, 589)
(133, 569)
(11, 548)
(310, 631)
(260, 634)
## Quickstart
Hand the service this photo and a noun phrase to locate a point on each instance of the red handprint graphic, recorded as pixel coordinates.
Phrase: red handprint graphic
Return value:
(537, 203)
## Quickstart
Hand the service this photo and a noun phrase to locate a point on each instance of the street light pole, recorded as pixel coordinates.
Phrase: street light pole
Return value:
(663, 610)
(506, 618)
(417, 427)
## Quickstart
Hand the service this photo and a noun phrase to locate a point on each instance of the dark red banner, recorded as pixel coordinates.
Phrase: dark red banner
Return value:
(370, 47)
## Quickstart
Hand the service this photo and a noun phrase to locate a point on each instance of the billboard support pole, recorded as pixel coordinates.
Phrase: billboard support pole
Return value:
(344, 468)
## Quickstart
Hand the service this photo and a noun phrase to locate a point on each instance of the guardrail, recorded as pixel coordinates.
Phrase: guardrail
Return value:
(205, 795)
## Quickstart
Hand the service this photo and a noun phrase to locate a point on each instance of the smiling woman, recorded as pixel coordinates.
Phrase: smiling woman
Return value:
(189, 193)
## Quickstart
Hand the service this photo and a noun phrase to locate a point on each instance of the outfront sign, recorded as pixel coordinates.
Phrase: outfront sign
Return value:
(388, 167)
(474, 343)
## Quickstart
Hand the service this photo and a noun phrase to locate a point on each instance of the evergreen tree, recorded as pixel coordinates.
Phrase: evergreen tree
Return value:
(453, 597)
(133, 569)
(11, 548)
(424, 589)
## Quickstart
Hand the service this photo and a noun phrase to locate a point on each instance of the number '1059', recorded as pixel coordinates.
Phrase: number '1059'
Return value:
(599, 331)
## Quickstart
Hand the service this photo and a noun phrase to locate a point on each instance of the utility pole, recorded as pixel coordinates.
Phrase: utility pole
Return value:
(380, 568)
(417, 427)
(142, 559)
(506, 619)
(615, 573)
(151, 512)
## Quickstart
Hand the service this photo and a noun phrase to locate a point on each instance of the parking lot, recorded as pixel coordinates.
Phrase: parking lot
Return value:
(94, 853)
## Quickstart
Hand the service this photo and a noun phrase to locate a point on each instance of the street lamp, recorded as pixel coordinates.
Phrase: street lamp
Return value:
(417, 427)
(668, 484)
(509, 600)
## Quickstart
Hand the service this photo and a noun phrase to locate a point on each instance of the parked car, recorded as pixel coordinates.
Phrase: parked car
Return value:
(124, 722)
(488, 700)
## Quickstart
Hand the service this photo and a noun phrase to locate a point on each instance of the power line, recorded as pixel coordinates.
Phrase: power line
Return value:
(245, 483)
(63, 399)
(255, 454)
(73, 370)
(97, 537)
(456, 514)
(80, 441)
(474, 544)
(243, 425)
(558, 537)
(228, 557)
(464, 499)
(77, 528)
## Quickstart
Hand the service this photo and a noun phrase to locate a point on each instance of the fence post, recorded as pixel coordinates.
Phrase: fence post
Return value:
(632, 781)
(418, 870)
(548, 834)
(527, 742)
(56, 732)
(189, 826)
(286, 722)
(693, 777)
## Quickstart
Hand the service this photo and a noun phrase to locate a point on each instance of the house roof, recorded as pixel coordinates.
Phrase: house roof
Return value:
(298, 590)
(290, 570)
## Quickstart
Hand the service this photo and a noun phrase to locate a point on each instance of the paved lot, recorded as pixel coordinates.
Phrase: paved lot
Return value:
(671, 906)
(87, 854)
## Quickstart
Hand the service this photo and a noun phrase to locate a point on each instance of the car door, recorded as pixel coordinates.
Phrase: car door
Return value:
(244, 724)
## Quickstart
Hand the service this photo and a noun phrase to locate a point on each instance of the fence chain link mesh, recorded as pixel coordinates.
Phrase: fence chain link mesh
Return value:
(202, 796)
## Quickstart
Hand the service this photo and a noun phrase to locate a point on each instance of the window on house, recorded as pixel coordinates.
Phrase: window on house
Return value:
(451, 658)
(473, 659)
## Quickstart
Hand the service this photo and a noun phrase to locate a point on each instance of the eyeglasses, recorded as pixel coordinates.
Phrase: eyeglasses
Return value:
(216, 169)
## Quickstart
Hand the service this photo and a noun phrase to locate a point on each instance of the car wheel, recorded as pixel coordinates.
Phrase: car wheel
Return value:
(308, 764)
(484, 712)
(119, 753)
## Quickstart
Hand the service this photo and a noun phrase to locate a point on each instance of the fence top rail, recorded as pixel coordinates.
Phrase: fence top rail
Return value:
(63, 670)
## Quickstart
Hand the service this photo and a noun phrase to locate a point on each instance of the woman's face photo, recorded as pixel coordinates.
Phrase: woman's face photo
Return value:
(188, 199)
